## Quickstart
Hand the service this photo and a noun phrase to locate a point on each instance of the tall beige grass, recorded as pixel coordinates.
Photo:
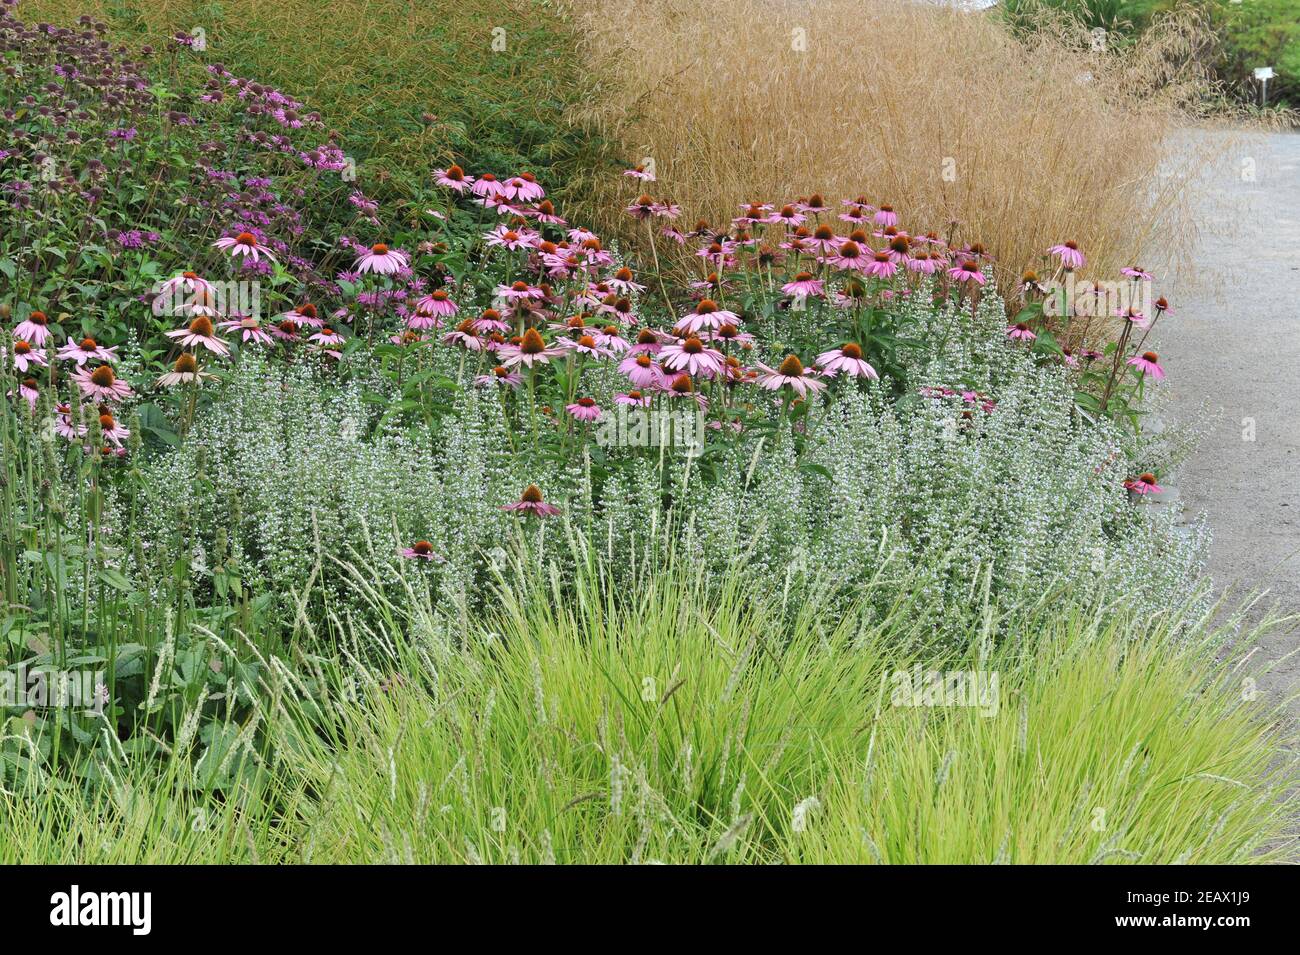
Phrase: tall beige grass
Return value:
(1017, 144)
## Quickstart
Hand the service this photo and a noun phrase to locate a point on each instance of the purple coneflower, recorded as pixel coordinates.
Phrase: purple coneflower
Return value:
(35, 329)
(531, 350)
(790, 374)
(326, 337)
(642, 370)
(707, 314)
(420, 550)
(967, 270)
(381, 260)
(584, 409)
(110, 429)
(692, 356)
(25, 355)
(530, 502)
(244, 244)
(803, 285)
(1149, 364)
(499, 377)
(453, 177)
(199, 332)
(86, 350)
(184, 372)
(1144, 483)
(101, 384)
(848, 359)
(1020, 331)
(1069, 254)
(249, 328)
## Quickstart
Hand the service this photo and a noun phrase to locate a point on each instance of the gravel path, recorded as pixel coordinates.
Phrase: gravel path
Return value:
(1241, 346)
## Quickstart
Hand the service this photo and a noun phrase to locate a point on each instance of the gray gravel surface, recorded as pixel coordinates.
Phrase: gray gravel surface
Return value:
(1239, 345)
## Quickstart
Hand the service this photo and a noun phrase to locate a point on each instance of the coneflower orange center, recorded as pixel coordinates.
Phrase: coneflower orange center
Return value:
(792, 367)
(103, 376)
(532, 343)
(532, 494)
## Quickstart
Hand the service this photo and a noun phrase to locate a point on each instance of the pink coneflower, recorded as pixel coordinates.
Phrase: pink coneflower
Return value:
(683, 387)
(1068, 356)
(304, 314)
(101, 384)
(530, 502)
(585, 345)
(86, 350)
(634, 399)
(25, 356)
(1029, 282)
(186, 282)
(692, 356)
(1144, 483)
(518, 291)
(967, 270)
(1162, 306)
(642, 369)
(431, 308)
(639, 172)
(35, 329)
(1069, 254)
(505, 237)
(244, 244)
(648, 340)
(29, 391)
(824, 241)
(1149, 364)
(249, 328)
(1020, 331)
(803, 285)
(199, 332)
(184, 372)
(453, 178)
(110, 429)
(1134, 272)
(790, 374)
(407, 337)
(63, 425)
(420, 550)
(523, 187)
(499, 377)
(326, 337)
(285, 331)
(1131, 314)
(848, 359)
(531, 350)
(490, 321)
(814, 204)
(850, 255)
(487, 187)
(885, 216)
(610, 339)
(731, 335)
(584, 409)
(622, 281)
(381, 260)
(643, 208)
(707, 314)
(787, 215)
(923, 263)
(881, 266)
